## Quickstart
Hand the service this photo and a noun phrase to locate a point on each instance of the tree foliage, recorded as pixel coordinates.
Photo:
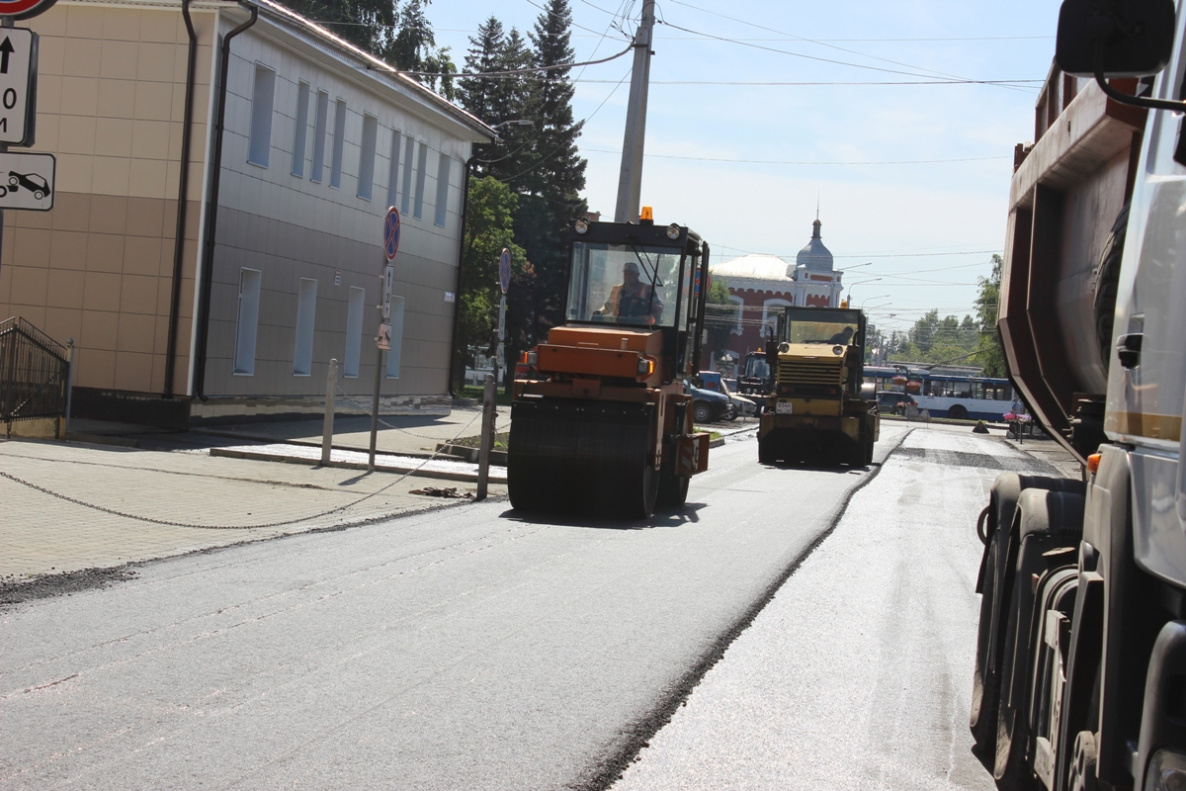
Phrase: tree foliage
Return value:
(536, 154)
(488, 230)
(365, 23)
(970, 341)
(401, 36)
(992, 356)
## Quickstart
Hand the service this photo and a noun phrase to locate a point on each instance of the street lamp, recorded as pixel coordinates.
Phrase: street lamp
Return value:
(859, 282)
(511, 122)
(867, 300)
(855, 266)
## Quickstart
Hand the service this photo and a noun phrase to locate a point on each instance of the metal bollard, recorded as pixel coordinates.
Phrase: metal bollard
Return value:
(487, 436)
(327, 430)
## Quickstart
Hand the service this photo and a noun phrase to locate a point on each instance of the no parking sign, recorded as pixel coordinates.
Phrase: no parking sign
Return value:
(504, 270)
(391, 233)
(23, 9)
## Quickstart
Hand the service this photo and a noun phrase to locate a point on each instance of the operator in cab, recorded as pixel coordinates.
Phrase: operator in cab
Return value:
(843, 337)
(632, 302)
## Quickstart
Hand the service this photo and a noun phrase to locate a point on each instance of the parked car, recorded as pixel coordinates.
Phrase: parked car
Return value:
(894, 403)
(713, 380)
(709, 406)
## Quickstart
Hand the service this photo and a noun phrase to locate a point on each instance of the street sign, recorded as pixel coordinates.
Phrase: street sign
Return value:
(18, 73)
(27, 181)
(504, 270)
(388, 282)
(384, 338)
(391, 233)
(23, 9)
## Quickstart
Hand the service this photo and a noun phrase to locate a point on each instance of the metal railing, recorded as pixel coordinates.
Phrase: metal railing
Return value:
(34, 373)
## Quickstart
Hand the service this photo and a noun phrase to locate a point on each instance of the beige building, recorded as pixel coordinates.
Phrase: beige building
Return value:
(280, 210)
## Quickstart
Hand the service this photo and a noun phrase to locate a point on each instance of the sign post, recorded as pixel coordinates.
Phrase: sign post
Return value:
(504, 281)
(18, 103)
(383, 339)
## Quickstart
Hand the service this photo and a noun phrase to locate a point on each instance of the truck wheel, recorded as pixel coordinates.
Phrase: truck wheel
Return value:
(986, 683)
(1010, 768)
(1083, 776)
(765, 452)
(701, 412)
(1107, 275)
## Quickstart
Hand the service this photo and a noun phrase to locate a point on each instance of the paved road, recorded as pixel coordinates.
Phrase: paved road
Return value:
(464, 648)
(857, 675)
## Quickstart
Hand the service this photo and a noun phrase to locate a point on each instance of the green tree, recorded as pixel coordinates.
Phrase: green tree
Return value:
(364, 23)
(553, 173)
(488, 230)
(991, 356)
(499, 99)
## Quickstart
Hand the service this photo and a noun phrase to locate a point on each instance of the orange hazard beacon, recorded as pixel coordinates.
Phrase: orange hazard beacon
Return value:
(602, 423)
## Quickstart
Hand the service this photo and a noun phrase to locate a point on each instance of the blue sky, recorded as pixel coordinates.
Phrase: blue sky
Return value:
(759, 111)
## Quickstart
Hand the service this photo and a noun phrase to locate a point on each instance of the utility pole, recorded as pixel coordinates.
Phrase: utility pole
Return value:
(630, 177)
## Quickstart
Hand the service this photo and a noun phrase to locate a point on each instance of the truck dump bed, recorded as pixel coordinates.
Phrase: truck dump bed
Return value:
(1067, 191)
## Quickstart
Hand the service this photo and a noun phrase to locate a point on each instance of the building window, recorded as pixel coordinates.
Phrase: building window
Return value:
(421, 167)
(356, 309)
(302, 358)
(262, 100)
(393, 169)
(335, 167)
(443, 189)
(739, 314)
(320, 122)
(366, 156)
(301, 133)
(409, 151)
(397, 336)
(248, 322)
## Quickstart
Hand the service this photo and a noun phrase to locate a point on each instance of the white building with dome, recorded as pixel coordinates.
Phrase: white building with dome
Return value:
(761, 285)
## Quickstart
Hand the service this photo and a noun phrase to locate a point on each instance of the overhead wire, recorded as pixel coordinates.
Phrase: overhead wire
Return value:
(805, 162)
(818, 42)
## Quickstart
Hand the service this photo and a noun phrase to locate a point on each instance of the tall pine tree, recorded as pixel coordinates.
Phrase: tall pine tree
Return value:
(551, 182)
(364, 23)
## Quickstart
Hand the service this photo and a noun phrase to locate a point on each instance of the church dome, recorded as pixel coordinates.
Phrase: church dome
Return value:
(815, 257)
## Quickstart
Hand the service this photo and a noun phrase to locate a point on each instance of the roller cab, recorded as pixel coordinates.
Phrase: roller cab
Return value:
(816, 410)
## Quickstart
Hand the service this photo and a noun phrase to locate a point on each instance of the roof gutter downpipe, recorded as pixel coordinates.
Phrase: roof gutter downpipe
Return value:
(182, 202)
(212, 209)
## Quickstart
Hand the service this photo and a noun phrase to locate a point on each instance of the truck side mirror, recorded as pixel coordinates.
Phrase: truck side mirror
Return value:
(1118, 38)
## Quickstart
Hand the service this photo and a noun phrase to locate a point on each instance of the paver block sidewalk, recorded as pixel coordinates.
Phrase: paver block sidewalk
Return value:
(67, 507)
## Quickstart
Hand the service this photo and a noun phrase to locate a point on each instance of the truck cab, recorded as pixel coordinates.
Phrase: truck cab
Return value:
(1081, 654)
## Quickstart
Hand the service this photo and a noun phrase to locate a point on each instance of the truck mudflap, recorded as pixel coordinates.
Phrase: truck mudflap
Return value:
(582, 456)
(1162, 747)
(691, 453)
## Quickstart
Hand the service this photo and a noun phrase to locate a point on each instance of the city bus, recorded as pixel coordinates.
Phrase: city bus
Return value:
(956, 394)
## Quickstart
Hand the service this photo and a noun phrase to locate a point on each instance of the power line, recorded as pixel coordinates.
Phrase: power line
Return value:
(804, 162)
(810, 57)
(510, 72)
(812, 41)
(823, 83)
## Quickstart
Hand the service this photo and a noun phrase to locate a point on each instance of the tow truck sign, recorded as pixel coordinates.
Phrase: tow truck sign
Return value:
(27, 181)
(18, 78)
